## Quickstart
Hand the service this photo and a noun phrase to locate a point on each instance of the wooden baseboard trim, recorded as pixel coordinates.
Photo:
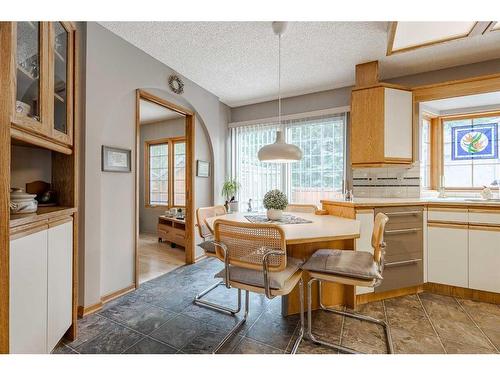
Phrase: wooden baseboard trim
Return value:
(373, 297)
(466, 293)
(84, 311)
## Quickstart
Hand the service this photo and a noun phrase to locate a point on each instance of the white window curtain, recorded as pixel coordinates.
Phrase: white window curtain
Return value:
(319, 175)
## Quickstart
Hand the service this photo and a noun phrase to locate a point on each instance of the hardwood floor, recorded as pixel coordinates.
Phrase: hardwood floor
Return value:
(157, 258)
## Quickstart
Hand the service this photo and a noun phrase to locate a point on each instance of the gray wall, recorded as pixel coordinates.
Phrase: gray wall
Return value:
(148, 216)
(114, 70)
(342, 96)
(29, 164)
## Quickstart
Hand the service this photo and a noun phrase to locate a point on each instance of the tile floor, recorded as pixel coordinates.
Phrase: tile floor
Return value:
(157, 258)
(160, 318)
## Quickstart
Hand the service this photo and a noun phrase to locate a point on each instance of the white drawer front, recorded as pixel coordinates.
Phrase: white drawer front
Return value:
(484, 217)
(450, 215)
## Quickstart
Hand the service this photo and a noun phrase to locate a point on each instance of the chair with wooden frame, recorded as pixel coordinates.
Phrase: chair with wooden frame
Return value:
(358, 268)
(306, 208)
(255, 259)
(208, 247)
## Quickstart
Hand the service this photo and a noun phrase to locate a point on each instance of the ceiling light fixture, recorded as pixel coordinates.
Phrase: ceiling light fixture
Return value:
(279, 151)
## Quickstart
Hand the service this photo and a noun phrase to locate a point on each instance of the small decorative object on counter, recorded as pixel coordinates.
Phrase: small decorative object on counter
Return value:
(229, 190)
(249, 209)
(21, 202)
(349, 196)
(275, 201)
(486, 193)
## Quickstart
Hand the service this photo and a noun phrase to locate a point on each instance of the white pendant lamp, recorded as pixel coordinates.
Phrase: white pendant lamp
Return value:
(279, 151)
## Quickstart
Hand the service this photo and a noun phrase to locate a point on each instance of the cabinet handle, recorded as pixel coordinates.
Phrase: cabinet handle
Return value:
(396, 231)
(403, 213)
(402, 263)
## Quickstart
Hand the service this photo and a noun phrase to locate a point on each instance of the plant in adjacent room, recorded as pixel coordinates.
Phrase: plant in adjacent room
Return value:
(229, 190)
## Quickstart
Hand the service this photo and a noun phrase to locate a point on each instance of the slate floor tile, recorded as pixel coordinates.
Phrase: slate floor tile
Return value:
(114, 341)
(249, 346)
(150, 346)
(179, 331)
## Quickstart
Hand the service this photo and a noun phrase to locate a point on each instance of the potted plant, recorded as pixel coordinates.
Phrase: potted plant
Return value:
(229, 191)
(275, 202)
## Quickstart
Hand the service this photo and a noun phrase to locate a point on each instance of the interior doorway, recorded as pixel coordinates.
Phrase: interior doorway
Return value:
(163, 199)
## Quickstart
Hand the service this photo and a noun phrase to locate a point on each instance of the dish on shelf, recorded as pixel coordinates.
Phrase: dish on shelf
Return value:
(22, 108)
(21, 202)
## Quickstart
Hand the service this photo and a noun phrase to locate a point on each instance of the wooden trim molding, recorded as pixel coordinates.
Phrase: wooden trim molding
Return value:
(84, 311)
(447, 224)
(466, 293)
(392, 35)
(190, 140)
(373, 297)
(367, 74)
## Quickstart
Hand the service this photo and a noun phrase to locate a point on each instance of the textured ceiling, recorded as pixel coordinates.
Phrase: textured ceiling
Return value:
(479, 100)
(237, 61)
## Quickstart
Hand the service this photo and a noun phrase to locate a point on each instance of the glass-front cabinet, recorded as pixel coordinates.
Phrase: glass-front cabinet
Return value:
(43, 57)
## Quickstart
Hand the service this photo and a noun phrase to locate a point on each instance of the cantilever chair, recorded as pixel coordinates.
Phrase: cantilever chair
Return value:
(307, 208)
(208, 247)
(358, 268)
(256, 261)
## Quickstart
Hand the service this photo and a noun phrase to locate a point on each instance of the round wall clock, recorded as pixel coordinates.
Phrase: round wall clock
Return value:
(176, 84)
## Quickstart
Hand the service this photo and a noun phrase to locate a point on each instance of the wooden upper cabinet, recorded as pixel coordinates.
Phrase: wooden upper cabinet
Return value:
(43, 83)
(381, 127)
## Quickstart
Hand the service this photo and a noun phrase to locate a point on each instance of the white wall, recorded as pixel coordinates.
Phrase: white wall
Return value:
(148, 216)
(114, 70)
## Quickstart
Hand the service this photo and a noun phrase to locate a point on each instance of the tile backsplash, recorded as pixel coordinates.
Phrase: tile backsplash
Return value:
(391, 182)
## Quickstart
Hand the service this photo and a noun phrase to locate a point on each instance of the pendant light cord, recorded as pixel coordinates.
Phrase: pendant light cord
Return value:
(279, 80)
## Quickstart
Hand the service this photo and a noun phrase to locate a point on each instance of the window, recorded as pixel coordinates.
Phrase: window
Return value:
(165, 172)
(425, 153)
(470, 151)
(319, 175)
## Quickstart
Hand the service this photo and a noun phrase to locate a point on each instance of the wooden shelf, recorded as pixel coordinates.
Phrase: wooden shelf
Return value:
(42, 214)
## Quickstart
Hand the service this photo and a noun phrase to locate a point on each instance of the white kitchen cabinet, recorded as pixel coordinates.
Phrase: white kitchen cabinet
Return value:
(398, 109)
(447, 248)
(59, 284)
(28, 294)
(484, 258)
(41, 279)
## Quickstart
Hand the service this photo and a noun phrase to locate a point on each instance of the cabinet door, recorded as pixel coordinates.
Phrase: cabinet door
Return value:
(398, 126)
(484, 258)
(28, 294)
(61, 82)
(60, 271)
(31, 77)
(448, 254)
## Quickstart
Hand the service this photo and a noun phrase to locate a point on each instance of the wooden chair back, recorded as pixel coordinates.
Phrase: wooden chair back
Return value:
(204, 213)
(247, 243)
(378, 236)
(307, 208)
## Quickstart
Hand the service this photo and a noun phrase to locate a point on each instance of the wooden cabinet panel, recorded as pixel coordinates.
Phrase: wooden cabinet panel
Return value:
(484, 258)
(381, 127)
(448, 255)
(59, 285)
(28, 294)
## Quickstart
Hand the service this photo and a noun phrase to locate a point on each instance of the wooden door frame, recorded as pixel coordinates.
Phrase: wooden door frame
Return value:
(190, 139)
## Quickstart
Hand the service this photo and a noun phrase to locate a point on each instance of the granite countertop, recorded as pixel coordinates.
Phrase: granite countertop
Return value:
(425, 201)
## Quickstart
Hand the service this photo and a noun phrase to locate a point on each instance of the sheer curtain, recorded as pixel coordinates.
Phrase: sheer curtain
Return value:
(319, 175)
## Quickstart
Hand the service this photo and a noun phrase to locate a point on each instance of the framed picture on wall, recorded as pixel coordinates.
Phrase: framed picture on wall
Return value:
(202, 168)
(116, 159)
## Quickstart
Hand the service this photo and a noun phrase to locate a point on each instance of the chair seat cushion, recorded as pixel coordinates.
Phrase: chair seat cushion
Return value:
(277, 280)
(208, 246)
(355, 264)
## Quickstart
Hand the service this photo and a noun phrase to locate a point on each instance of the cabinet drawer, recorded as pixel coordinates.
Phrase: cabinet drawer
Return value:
(456, 215)
(401, 275)
(491, 217)
(403, 217)
(402, 242)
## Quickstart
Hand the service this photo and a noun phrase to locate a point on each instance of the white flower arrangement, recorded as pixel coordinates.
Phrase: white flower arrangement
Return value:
(275, 199)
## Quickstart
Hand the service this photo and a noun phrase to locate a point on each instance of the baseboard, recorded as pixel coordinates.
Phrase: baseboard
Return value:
(84, 311)
(373, 297)
(465, 293)
(446, 290)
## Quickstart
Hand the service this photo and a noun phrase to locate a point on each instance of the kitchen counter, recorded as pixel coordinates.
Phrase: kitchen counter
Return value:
(386, 202)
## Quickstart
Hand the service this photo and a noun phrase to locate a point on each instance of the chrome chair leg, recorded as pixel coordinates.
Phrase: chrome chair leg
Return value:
(301, 332)
(236, 328)
(215, 306)
(354, 315)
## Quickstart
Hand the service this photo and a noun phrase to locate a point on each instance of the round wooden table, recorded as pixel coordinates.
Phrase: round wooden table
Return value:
(302, 240)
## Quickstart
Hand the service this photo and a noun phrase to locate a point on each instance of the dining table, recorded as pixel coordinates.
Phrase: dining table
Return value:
(303, 236)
